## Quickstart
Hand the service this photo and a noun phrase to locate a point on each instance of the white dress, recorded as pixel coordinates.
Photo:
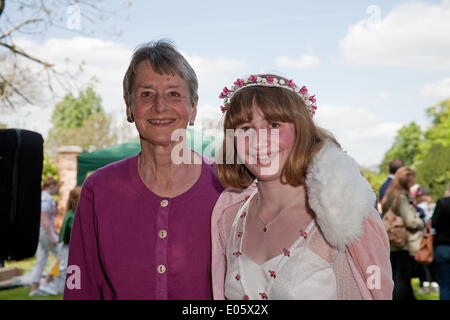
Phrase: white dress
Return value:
(297, 273)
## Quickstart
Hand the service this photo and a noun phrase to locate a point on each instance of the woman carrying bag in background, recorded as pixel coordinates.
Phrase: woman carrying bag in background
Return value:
(398, 200)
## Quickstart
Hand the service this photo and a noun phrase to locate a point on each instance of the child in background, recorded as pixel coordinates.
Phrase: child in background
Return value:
(57, 286)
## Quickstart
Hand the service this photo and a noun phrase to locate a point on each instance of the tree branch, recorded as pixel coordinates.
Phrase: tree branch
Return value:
(22, 53)
(20, 25)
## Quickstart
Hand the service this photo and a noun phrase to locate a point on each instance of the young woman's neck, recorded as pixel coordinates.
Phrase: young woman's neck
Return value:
(274, 195)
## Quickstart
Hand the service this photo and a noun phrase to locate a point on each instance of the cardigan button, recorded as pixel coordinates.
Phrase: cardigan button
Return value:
(162, 234)
(164, 203)
(161, 269)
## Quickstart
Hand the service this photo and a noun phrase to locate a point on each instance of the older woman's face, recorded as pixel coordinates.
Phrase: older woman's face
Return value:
(161, 104)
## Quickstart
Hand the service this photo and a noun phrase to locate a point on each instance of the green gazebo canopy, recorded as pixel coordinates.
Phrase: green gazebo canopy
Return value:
(90, 161)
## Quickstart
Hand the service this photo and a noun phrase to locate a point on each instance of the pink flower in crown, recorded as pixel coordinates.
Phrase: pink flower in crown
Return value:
(312, 99)
(253, 78)
(238, 277)
(273, 274)
(314, 108)
(286, 252)
(291, 83)
(224, 93)
(269, 79)
(303, 91)
(245, 297)
(237, 253)
(239, 82)
(263, 295)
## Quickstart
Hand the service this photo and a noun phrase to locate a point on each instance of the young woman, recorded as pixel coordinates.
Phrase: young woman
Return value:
(298, 219)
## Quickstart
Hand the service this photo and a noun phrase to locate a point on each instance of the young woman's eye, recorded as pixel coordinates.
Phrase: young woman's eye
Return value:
(244, 128)
(274, 125)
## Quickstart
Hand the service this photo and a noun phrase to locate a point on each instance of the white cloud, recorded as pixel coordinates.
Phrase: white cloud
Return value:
(413, 35)
(305, 61)
(384, 95)
(363, 134)
(437, 91)
(215, 73)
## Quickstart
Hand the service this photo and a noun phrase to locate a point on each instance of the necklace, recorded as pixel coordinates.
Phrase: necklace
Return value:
(266, 225)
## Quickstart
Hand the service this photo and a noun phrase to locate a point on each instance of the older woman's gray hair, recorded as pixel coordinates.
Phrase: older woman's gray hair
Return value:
(164, 59)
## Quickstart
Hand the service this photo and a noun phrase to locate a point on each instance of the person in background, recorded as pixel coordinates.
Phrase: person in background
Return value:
(56, 286)
(441, 224)
(426, 273)
(48, 239)
(398, 199)
(394, 165)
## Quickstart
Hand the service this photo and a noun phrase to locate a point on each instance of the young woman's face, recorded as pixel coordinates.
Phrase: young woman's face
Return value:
(264, 146)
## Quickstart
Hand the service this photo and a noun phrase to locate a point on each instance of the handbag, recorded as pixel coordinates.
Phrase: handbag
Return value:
(425, 253)
(395, 229)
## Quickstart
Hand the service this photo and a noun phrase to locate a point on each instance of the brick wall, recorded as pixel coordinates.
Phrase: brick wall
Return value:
(67, 164)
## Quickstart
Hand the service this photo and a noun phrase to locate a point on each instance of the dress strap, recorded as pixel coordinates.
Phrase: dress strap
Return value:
(244, 206)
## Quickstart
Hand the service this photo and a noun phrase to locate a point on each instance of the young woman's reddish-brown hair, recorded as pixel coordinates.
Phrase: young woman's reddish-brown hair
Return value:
(401, 183)
(277, 105)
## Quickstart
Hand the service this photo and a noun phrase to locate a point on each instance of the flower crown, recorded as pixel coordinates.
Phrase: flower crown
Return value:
(268, 81)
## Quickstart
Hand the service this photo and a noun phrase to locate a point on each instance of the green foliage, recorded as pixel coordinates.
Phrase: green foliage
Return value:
(375, 179)
(80, 121)
(433, 171)
(71, 112)
(49, 168)
(406, 146)
(427, 154)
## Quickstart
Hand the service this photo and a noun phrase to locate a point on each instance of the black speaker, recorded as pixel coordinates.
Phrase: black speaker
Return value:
(21, 160)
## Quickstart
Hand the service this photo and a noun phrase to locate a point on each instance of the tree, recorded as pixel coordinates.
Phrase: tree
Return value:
(406, 146)
(80, 121)
(433, 171)
(36, 18)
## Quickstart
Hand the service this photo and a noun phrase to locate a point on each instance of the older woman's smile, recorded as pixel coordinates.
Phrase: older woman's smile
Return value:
(161, 122)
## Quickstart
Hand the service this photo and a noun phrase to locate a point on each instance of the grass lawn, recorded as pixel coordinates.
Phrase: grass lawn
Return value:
(21, 293)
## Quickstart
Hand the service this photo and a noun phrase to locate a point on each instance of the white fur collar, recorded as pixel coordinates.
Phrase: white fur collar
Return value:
(340, 197)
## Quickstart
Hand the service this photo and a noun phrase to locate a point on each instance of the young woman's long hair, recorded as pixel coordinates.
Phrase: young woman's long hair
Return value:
(400, 184)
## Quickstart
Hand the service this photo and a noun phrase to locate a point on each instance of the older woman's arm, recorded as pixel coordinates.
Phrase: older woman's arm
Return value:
(85, 281)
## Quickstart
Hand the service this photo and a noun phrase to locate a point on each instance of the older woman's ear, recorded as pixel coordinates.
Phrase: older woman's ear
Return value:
(129, 110)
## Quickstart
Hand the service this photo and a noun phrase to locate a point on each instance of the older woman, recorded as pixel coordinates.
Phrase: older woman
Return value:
(142, 226)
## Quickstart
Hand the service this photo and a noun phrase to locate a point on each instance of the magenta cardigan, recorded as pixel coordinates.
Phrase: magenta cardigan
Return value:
(130, 243)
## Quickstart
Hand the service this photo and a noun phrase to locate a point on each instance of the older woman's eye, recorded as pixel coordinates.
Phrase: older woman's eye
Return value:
(146, 94)
(174, 94)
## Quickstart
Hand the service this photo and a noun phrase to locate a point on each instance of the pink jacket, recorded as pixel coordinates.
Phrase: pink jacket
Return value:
(343, 202)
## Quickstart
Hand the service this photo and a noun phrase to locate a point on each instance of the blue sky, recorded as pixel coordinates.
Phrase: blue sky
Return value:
(373, 65)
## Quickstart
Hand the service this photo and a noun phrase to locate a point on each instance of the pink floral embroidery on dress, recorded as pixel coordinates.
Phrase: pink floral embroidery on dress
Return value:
(245, 297)
(286, 252)
(240, 233)
(237, 253)
(303, 234)
(273, 274)
(263, 295)
(238, 277)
